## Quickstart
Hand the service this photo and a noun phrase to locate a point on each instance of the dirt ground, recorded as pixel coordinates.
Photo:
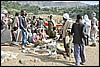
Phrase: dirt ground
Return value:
(92, 58)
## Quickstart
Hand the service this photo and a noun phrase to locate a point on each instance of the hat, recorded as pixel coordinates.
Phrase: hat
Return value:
(4, 11)
(66, 16)
(94, 14)
(40, 17)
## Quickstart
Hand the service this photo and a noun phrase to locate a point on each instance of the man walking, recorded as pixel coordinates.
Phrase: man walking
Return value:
(23, 26)
(66, 25)
(78, 40)
(94, 29)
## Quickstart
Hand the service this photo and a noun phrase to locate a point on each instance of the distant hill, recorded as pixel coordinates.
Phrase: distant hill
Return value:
(53, 4)
(38, 7)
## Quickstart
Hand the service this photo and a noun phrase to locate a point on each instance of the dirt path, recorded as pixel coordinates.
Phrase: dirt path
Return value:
(92, 58)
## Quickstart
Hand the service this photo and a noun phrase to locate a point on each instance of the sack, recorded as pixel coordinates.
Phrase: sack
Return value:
(67, 39)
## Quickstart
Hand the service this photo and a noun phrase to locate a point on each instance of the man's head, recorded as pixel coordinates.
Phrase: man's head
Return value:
(40, 17)
(50, 16)
(16, 14)
(23, 13)
(79, 18)
(34, 17)
(65, 16)
(93, 14)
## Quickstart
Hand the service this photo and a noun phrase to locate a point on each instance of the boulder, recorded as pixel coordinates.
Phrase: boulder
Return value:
(22, 61)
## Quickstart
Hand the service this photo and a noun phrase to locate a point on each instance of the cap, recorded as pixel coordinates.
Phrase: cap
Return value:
(66, 16)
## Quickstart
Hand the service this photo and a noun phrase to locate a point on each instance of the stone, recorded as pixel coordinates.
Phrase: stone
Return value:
(31, 60)
(58, 56)
(52, 63)
(36, 60)
(22, 61)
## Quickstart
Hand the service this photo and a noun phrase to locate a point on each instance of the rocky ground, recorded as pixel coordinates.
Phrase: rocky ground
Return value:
(27, 59)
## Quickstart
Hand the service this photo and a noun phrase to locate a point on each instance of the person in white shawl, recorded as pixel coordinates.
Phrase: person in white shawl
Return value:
(87, 23)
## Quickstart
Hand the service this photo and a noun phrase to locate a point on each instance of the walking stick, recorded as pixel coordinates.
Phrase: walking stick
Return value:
(69, 51)
(70, 46)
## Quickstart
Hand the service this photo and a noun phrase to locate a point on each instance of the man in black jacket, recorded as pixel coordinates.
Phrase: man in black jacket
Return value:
(23, 26)
(78, 40)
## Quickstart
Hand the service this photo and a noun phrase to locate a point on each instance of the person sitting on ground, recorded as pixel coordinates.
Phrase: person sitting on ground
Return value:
(36, 39)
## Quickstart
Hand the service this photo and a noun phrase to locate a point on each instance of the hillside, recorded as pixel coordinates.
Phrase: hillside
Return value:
(51, 4)
(39, 7)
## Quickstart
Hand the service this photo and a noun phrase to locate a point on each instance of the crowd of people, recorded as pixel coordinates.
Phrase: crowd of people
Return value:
(82, 31)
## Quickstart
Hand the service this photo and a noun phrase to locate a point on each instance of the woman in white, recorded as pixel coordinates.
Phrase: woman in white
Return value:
(4, 18)
(87, 23)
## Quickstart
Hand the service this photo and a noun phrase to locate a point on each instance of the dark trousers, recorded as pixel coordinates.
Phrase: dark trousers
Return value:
(13, 37)
(79, 53)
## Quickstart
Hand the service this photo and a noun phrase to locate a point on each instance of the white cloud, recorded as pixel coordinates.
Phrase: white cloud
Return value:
(65, 1)
(86, 2)
(91, 2)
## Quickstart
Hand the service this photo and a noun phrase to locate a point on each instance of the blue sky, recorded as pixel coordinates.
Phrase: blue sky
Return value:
(86, 2)
(91, 2)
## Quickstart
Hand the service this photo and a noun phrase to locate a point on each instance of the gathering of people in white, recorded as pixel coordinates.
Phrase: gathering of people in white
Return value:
(39, 32)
